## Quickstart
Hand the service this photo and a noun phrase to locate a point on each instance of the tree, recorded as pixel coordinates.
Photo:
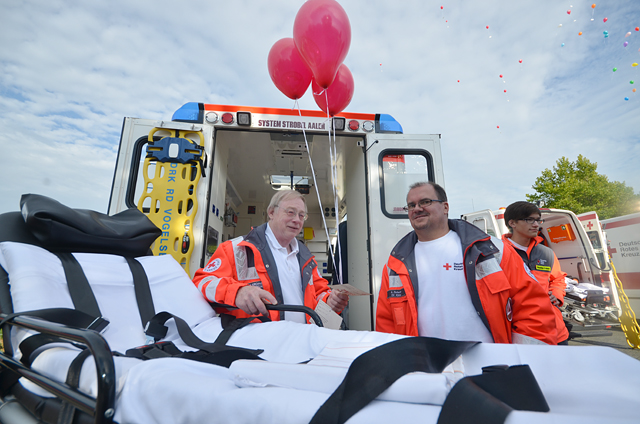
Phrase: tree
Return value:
(576, 186)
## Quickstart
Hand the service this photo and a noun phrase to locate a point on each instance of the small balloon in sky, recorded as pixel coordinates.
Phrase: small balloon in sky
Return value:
(580, 33)
(487, 26)
(568, 12)
(626, 43)
(605, 19)
(631, 82)
(562, 45)
(593, 6)
(498, 126)
(520, 61)
(505, 91)
(627, 34)
(634, 90)
(626, 98)
(615, 69)
(637, 28)
(634, 64)
(441, 7)
(606, 34)
(500, 75)
(559, 25)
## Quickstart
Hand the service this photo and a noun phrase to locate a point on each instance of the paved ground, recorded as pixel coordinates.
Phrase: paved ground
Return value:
(615, 339)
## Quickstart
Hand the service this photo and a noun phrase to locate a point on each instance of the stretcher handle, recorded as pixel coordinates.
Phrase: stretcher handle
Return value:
(102, 407)
(291, 308)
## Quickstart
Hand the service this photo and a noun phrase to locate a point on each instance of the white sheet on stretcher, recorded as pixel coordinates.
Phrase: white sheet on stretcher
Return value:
(581, 384)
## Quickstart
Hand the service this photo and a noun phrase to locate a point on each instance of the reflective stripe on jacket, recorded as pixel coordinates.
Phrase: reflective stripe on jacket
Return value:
(247, 261)
(544, 265)
(508, 300)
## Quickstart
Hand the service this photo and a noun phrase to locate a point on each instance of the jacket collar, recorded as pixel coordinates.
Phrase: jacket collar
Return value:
(469, 235)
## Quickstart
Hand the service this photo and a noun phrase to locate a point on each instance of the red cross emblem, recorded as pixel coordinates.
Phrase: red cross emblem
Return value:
(589, 225)
(446, 266)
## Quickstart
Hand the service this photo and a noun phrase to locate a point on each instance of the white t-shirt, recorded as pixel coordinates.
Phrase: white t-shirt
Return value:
(289, 275)
(445, 310)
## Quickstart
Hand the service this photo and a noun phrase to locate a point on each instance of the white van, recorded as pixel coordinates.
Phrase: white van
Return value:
(207, 176)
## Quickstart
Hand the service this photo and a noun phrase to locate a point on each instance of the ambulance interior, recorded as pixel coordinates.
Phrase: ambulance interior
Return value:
(256, 164)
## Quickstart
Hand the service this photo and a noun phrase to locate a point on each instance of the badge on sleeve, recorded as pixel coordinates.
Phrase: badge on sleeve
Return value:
(509, 310)
(213, 265)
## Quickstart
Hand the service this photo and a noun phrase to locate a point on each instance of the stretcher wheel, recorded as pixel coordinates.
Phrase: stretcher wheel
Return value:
(577, 316)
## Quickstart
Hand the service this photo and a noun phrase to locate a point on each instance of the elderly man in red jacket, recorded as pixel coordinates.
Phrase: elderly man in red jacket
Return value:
(268, 266)
(448, 279)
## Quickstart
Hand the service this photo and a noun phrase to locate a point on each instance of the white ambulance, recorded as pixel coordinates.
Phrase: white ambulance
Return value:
(206, 176)
(623, 242)
(592, 299)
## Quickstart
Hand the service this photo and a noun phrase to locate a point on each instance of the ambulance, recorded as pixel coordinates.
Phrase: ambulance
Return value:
(623, 243)
(591, 298)
(207, 174)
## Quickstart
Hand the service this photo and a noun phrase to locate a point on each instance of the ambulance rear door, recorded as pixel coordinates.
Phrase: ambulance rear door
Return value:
(394, 162)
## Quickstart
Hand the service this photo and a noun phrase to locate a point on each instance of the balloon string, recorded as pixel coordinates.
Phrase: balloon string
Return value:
(333, 155)
(315, 183)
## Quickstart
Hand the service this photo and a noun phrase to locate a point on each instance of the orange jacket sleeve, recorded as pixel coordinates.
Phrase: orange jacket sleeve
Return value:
(532, 311)
(557, 284)
(218, 281)
(384, 318)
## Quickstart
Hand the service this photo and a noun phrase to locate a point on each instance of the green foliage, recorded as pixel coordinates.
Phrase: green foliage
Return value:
(576, 186)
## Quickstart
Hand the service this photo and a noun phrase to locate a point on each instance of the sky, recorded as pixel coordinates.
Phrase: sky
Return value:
(70, 71)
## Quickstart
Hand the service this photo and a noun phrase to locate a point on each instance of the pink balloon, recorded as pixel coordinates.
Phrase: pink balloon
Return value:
(288, 70)
(322, 34)
(338, 94)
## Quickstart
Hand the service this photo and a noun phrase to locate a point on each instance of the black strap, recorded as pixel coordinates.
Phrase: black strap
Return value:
(79, 288)
(374, 371)
(188, 336)
(142, 290)
(68, 411)
(230, 324)
(490, 397)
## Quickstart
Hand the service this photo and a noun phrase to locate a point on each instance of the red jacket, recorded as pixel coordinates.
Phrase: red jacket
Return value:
(511, 304)
(544, 265)
(248, 261)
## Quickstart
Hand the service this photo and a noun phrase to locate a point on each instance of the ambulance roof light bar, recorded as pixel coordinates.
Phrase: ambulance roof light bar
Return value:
(387, 124)
(189, 112)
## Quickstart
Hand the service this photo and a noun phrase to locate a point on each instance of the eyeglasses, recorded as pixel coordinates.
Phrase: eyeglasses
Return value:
(291, 213)
(422, 203)
(532, 220)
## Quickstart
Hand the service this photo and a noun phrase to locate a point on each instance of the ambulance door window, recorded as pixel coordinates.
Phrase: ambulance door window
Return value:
(400, 169)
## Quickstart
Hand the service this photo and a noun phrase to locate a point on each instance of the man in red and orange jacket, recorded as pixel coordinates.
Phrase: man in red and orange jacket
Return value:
(268, 265)
(450, 280)
(523, 221)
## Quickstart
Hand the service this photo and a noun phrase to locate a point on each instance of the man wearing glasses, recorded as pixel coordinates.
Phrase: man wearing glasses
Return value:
(450, 280)
(523, 221)
(268, 266)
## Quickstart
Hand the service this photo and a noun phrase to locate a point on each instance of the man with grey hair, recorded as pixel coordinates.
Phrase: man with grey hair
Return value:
(269, 266)
(450, 280)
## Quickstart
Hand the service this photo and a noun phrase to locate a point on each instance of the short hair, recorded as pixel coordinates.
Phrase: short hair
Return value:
(281, 196)
(440, 193)
(519, 210)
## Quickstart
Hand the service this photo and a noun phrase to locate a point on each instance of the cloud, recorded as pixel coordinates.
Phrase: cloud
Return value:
(70, 71)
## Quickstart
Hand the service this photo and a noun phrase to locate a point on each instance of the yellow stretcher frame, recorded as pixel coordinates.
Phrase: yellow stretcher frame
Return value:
(170, 192)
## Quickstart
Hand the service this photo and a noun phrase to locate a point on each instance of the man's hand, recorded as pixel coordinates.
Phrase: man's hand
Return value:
(251, 300)
(554, 300)
(338, 301)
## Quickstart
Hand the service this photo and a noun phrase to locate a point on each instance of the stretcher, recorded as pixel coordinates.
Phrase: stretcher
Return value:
(302, 373)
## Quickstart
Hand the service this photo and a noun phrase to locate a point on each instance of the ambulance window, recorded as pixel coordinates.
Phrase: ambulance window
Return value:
(400, 169)
(594, 239)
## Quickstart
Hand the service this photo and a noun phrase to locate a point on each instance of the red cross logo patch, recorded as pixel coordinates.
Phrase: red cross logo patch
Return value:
(446, 266)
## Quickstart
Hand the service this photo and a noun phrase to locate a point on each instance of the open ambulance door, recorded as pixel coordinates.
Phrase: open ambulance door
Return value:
(169, 187)
(394, 162)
